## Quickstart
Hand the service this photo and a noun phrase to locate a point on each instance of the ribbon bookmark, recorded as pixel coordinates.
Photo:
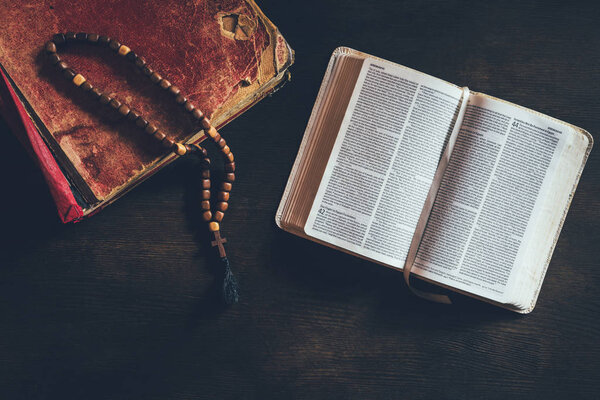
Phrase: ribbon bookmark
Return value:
(437, 180)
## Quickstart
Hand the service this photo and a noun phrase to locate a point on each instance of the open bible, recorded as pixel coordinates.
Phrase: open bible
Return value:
(463, 190)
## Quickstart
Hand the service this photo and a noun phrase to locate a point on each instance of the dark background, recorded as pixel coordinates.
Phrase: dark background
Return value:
(123, 305)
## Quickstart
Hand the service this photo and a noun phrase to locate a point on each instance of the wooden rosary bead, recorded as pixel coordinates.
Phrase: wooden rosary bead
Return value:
(207, 216)
(123, 50)
(226, 186)
(70, 36)
(226, 150)
(81, 36)
(206, 195)
(230, 167)
(54, 58)
(221, 143)
(133, 115)
(164, 84)
(131, 56)
(206, 173)
(212, 132)
(205, 183)
(218, 216)
(114, 45)
(174, 90)
(180, 149)
(198, 151)
(78, 80)
(158, 135)
(124, 110)
(167, 143)
(69, 73)
(103, 40)
(50, 47)
(141, 122)
(222, 206)
(180, 99)
(197, 114)
(213, 226)
(115, 104)
(205, 123)
(93, 38)
(105, 99)
(223, 196)
(96, 93)
(230, 177)
(217, 137)
(189, 107)
(230, 157)
(147, 70)
(150, 129)
(59, 39)
(86, 86)
(205, 204)
(140, 62)
(61, 65)
(155, 77)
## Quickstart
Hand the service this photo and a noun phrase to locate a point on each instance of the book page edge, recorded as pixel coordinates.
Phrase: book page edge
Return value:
(311, 120)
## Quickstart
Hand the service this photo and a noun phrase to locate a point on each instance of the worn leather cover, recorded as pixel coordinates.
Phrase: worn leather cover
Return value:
(224, 55)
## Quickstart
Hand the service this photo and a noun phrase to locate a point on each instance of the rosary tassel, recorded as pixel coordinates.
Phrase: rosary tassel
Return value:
(230, 286)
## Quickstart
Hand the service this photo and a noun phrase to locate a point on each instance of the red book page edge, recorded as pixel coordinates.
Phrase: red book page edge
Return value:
(23, 128)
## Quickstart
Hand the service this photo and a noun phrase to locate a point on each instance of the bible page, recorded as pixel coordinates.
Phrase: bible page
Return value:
(490, 197)
(383, 161)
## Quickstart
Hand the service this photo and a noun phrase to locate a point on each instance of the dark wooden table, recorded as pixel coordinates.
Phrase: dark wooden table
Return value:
(123, 305)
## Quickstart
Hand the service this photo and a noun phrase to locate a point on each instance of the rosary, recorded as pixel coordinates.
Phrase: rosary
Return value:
(230, 289)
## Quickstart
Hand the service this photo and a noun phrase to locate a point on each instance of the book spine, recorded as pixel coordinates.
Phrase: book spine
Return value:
(23, 128)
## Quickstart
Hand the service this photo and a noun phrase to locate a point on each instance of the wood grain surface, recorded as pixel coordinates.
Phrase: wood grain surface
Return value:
(123, 306)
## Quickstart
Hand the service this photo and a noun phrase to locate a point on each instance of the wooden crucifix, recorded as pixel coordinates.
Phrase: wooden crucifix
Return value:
(219, 243)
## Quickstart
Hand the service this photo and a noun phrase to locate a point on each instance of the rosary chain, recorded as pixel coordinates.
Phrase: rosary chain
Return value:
(125, 111)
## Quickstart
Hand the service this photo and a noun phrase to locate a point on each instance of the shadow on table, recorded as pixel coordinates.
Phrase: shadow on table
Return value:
(29, 214)
(336, 276)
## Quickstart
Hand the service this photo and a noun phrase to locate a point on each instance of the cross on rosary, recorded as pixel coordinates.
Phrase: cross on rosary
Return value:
(219, 243)
(58, 41)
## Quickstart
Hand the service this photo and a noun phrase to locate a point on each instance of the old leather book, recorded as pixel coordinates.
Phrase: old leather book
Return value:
(224, 55)
(466, 191)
